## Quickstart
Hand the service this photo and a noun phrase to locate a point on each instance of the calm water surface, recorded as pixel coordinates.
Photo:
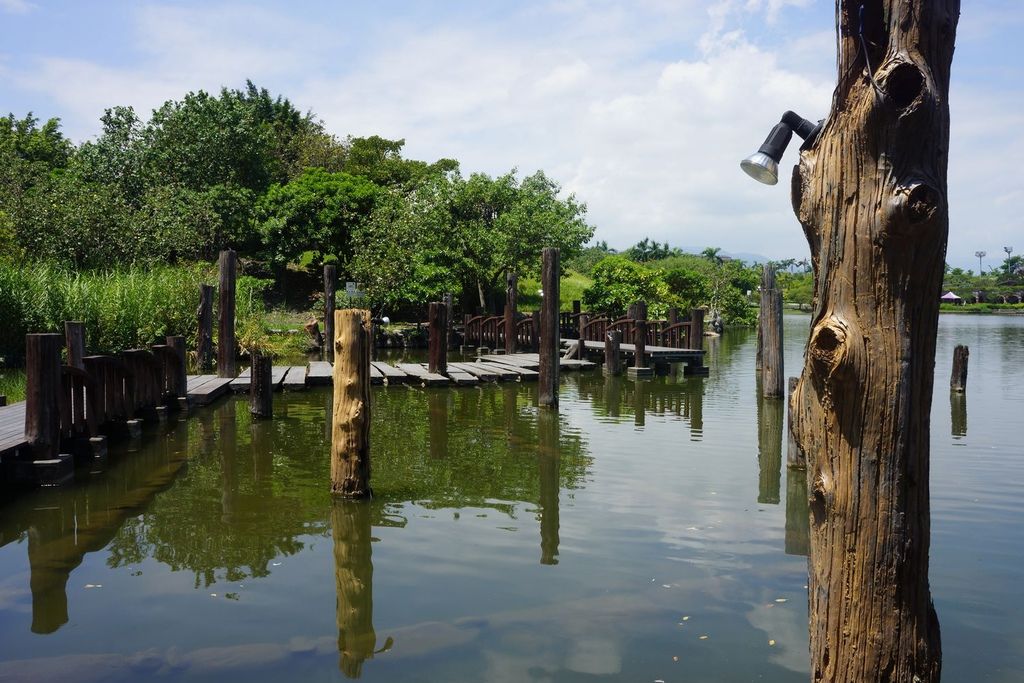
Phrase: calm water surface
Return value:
(648, 531)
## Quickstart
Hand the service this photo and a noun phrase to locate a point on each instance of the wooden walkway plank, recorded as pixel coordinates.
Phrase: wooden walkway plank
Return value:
(209, 390)
(521, 372)
(426, 378)
(295, 378)
(277, 375)
(478, 370)
(520, 360)
(462, 379)
(242, 382)
(392, 374)
(320, 373)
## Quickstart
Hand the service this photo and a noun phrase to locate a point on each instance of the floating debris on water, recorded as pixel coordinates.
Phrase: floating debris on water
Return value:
(780, 599)
(703, 638)
(771, 643)
(94, 585)
(686, 618)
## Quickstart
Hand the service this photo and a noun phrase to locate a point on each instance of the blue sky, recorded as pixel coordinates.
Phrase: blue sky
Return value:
(641, 108)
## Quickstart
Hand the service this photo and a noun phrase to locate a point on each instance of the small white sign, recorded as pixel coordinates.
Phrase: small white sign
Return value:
(354, 291)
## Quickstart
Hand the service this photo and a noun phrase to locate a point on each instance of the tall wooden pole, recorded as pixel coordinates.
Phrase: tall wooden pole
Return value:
(437, 339)
(958, 379)
(42, 390)
(772, 375)
(261, 387)
(226, 332)
(350, 434)
(330, 290)
(612, 359)
(697, 328)
(179, 381)
(871, 195)
(640, 335)
(549, 333)
(74, 337)
(511, 301)
(204, 338)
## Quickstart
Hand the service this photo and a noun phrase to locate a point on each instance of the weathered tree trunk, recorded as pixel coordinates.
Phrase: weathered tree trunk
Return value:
(871, 196)
(350, 434)
(437, 337)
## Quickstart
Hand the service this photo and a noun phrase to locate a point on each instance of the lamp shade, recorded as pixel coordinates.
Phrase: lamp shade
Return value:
(761, 168)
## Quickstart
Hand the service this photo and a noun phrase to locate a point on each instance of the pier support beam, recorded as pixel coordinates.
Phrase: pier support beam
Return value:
(226, 366)
(261, 387)
(437, 339)
(42, 410)
(330, 290)
(549, 332)
(350, 433)
(640, 369)
(772, 382)
(204, 338)
(612, 357)
(958, 380)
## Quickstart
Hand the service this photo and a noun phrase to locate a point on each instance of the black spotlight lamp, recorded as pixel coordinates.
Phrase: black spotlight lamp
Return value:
(763, 165)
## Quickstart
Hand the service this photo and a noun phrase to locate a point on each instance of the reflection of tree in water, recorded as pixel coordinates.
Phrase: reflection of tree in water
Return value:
(226, 513)
(670, 395)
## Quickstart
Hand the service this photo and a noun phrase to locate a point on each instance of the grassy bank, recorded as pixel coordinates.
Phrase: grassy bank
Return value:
(122, 308)
(570, 288)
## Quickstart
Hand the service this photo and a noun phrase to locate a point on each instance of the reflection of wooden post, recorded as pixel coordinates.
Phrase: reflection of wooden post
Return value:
(612, 357)
(958, 380)
(549, 333)
(769, 450)
(42, 391)
(330, 289)
(353, 581)
(437, 414)
(794, 456)
(74, 337)
(798, 520)
(204, 338)
(261, 389)
(226, 331)
(47, 582)
(958, 414)
(548, 464)
(771, 337)
(639, 403)
(350, 435)
(437, 339)
(511, 300)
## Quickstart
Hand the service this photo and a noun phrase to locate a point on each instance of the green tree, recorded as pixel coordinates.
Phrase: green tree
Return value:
(619, 282)
(314, 216)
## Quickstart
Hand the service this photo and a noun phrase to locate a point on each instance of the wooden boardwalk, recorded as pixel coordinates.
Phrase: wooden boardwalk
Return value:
(663, 354)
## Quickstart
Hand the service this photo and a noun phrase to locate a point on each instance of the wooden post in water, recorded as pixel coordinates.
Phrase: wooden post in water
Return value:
(450, 318)
(178, 385)
(74, 338)
(511, 301)
(794, 456)
(437, 339)
(958, 380)
(261, 388)
(535, 331)
(3, 400)
(697, 328)
(640, 369)
(330, 289)
(204, 338)
(581, 350)
(350, 433)
(772, 383)
(42, 389)
(549, 333)
(612, 358)
(226, 331)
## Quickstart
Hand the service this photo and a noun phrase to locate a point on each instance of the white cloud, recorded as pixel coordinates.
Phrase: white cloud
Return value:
(642, 109)
(16, 6)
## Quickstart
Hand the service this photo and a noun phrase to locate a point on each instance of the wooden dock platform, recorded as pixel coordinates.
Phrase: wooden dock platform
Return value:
(663, 354)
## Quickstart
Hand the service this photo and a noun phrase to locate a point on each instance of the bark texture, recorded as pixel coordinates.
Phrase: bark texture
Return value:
(350, 433)
(871, 196)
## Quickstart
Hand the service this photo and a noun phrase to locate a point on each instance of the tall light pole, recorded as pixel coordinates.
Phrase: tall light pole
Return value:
(980, 255)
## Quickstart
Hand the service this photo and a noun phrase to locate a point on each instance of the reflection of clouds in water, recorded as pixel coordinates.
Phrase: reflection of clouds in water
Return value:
(15, 595)
(523, 651)
(786, 624)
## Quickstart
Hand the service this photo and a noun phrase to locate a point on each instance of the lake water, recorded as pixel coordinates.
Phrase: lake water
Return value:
(646, 532)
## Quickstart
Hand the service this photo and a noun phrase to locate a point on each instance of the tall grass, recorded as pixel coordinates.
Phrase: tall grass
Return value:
(122, 308)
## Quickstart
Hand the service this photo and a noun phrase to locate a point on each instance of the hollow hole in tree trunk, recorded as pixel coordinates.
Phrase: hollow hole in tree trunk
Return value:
(817, 505)
(903, 84)
(922, 203)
